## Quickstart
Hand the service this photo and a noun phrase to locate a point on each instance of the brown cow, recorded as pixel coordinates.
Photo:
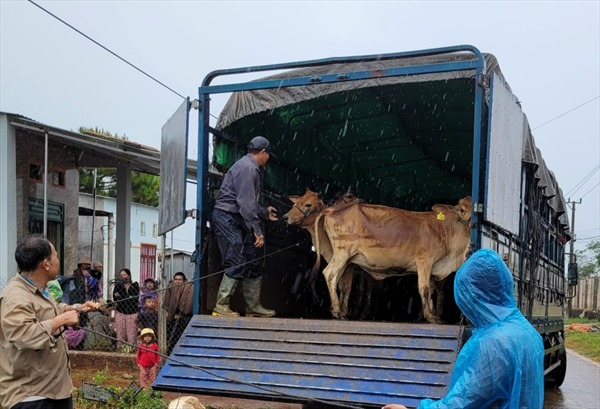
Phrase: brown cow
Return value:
(306, 220)
(385, 241)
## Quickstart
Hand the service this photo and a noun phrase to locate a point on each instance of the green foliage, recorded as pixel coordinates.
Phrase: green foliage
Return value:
(101, 376)
(144, 187)
(584, 343)
(144, 400)
(123, 397)
(579, 321)
(588, 260)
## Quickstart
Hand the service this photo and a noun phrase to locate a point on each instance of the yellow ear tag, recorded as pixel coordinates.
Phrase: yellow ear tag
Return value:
(440, 216)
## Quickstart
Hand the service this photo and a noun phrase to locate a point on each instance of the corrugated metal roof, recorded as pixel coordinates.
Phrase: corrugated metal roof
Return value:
(141, 157)
(299, 360)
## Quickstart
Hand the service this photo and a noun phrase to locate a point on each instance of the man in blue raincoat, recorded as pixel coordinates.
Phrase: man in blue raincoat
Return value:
(502, 364)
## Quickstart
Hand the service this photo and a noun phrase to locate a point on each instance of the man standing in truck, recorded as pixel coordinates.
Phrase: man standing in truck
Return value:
(237, 222)
(502, 364)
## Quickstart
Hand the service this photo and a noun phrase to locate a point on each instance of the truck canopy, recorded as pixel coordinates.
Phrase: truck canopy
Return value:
(338, 136)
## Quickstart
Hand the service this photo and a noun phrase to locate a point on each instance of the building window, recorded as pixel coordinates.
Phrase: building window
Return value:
(155, 230)
(35, 172)
(142, 228)
(147, 261)
(58, 178)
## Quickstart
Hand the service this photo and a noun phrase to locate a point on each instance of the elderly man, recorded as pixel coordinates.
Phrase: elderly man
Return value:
(34, 367)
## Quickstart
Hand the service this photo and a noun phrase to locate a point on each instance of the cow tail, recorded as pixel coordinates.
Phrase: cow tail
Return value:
(314, 271)
(317, 265)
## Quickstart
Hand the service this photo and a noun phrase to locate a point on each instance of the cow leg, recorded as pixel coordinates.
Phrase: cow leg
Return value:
(369, 283)
(332, 273)
(424, 274)
(345, 287)
(439, 297)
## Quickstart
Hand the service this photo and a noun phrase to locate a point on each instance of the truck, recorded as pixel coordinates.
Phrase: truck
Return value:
(406, 130)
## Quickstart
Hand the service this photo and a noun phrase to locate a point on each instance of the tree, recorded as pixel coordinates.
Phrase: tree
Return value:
(144, 187)
(588, 260)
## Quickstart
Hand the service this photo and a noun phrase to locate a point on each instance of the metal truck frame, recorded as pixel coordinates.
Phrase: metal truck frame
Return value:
(518, 209)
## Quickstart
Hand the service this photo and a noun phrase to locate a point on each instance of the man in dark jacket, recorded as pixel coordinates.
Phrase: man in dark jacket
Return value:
(237, 222)
(179, 303)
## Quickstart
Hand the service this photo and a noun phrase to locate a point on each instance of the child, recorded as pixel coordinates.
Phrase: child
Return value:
(147, 357)
(149, 290)
(149, 317)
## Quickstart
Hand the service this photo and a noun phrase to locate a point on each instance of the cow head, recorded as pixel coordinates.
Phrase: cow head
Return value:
(462, 210)
(304, 206)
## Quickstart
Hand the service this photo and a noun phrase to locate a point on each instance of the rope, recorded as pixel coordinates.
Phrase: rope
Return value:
(157, 291)
(235, 381)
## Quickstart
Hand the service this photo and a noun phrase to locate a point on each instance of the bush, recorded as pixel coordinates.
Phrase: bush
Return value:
(123, 397)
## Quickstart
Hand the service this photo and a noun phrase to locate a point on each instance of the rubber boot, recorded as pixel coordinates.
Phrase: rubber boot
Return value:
(226, 290)
(251, 288)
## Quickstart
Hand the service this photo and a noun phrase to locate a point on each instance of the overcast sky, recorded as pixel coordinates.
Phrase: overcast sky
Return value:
(548, 52)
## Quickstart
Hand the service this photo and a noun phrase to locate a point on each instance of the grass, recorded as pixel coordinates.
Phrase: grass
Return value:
(584, 343)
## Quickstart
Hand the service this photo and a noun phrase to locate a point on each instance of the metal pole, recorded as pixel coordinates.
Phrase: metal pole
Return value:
(46, 184)
(111, 267)
(572, 249)
(162, 316)
(172, 261)
(93, 217)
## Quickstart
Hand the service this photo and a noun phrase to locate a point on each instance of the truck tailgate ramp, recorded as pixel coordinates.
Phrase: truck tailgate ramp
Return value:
(298, 360)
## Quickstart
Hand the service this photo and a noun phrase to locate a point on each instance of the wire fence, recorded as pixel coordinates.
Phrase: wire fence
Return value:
(127, 308)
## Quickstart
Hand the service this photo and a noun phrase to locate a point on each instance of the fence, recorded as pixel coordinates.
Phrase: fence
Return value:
(128, 310)
(588, 295)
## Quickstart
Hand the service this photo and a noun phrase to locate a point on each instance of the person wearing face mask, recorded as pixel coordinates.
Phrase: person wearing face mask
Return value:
(125, 297)
(78, 291)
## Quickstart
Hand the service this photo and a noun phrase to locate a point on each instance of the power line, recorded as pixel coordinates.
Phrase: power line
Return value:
(561, 115)
(590, 190)
(582, 181)
(106, 49)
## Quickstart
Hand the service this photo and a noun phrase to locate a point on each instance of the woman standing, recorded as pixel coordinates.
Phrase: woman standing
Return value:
(125, 296)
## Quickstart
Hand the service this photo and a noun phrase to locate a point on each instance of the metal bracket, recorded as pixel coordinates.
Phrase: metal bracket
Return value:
(195, 103)
(477, 207)
(193, 213)
(571, 292)
(481, 80)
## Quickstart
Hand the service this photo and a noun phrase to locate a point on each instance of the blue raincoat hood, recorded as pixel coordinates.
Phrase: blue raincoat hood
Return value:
(484, 289)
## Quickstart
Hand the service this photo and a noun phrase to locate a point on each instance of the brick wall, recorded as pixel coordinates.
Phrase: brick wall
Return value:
(100, 360)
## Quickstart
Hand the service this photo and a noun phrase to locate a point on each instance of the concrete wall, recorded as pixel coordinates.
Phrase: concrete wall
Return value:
(60, 158)
(139, 214)
(8, 202)
(588, 294)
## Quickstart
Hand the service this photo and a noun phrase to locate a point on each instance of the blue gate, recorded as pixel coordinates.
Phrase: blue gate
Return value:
(303, 361)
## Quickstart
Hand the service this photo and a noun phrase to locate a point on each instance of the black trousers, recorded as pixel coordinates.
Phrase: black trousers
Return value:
(66, 403)
(236, 245)
(175, 330)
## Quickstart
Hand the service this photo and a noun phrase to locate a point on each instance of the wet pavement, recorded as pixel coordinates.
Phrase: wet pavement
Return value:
(581, 388)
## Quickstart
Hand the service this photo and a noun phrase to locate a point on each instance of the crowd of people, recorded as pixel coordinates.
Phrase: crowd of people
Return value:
(118, 322)
(42, 314)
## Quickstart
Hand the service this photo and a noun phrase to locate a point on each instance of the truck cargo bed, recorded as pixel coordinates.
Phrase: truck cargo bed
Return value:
(298, 360)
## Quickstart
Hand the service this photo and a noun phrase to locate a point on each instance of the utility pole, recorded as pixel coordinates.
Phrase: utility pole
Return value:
(572, 251)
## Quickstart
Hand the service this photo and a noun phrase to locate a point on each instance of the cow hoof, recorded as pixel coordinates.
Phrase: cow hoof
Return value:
(338, 315)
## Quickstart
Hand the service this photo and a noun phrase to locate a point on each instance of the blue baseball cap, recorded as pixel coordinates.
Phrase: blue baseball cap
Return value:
(259, 143)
